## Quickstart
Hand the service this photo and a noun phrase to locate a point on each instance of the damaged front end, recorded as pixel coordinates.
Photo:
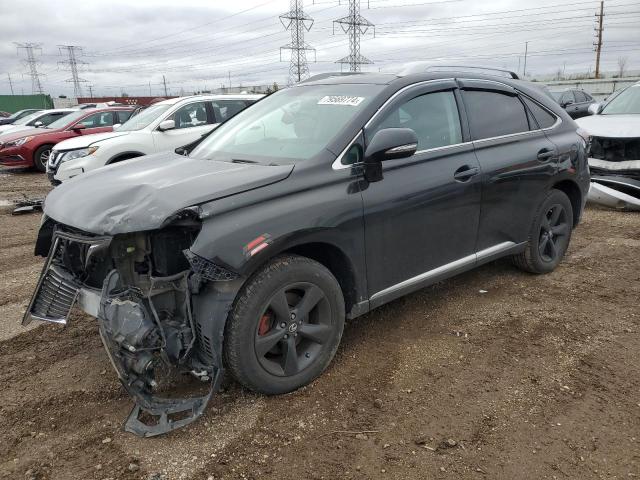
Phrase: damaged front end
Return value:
(143, 288)
(614, 164)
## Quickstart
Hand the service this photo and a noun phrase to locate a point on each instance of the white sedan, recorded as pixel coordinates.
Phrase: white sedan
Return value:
(161, 127)
(614, 159)
(37, 119)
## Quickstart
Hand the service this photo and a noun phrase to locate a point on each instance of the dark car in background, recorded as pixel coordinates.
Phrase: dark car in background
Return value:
(18, 115)
(321, 202)
(575, 102)
(32, 147)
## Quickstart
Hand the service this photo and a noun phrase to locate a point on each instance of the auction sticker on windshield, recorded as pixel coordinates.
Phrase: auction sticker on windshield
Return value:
(340, 100)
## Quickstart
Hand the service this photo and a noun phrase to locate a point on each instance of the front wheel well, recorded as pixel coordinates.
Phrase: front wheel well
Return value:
(124, 156)
(338, 264)
(571, 190)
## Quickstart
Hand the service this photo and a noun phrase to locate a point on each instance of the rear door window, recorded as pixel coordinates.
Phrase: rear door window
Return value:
(433, 116)
(580, 97)
(540, 117)
(567, 97)
(494, 114)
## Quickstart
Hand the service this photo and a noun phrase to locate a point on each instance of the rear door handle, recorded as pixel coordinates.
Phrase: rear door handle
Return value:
(465, 172)
(544, 155)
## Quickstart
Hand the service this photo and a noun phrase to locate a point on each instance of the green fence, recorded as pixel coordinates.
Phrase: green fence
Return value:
(13, 103)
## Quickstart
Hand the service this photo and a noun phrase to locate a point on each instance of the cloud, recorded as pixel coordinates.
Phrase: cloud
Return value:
(129, 46)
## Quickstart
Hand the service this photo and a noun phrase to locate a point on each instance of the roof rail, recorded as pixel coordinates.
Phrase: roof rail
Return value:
(322, 76)
(511, 74)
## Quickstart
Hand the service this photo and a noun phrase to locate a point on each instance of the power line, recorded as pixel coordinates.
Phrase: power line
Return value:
(31, 62)
(296, 21)
(73, 52)
(354, 24)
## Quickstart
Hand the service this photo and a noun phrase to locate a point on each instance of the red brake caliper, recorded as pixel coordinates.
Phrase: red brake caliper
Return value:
(265, 324)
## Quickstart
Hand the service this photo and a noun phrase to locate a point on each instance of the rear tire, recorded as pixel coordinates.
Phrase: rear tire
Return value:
(285, 325)
(549, 235)
(41, 157)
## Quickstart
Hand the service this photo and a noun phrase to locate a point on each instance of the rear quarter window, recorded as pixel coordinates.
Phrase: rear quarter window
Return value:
(541, 116)
(494, 114)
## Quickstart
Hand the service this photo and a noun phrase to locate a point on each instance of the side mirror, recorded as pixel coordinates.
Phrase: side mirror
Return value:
(566, 104)
(167, 125)
(595, 108)
(115, 126)
(38, 124)
(391, 144)
(78, 127)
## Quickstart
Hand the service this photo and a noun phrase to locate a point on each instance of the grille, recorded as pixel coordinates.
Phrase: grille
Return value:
(61, 278)
(209, 270)
(56, 296)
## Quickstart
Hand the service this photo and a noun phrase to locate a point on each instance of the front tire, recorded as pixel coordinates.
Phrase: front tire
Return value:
(285, 326)
(41, 157)
(549, 235)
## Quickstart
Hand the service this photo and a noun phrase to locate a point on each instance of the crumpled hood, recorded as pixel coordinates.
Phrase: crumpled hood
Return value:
(613, 126)
(140, 194)
(83, 141)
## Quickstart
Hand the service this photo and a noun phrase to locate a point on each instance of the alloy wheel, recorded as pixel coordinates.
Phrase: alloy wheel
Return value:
(293, 329)
(554, 231)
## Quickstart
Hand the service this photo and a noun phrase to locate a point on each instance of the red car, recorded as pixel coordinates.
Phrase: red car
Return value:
(31, 148)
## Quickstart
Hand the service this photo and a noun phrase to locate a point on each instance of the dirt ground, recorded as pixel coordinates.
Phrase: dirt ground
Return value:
(495, 374)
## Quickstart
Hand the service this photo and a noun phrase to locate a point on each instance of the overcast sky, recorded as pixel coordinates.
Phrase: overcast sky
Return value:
(196, 43)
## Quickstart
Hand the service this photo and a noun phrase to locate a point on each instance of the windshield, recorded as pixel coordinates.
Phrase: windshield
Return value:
(67, 119)
(144, 118)
(28, 118)
(627, 102)
(295, 123)
(19, 114)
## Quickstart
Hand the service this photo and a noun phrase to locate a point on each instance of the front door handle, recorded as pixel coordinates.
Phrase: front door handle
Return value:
(545, 154)
(465, 172)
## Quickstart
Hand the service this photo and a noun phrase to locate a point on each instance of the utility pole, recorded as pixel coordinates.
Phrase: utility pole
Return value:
(297, 22)
(164, 81)
(229, 89)
(526, 51)
(599, 30)
(36, 85)
(355, 25)
(90, 91)
(10, 82)
(73, 52)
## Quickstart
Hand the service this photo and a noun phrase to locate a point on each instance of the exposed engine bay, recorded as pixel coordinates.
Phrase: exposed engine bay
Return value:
(614, 164)
(142, 288)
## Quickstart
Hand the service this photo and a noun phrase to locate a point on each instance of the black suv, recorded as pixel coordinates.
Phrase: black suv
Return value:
(575, 102)
(316, 204)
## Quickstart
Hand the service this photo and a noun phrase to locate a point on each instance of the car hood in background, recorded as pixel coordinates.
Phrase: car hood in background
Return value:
(613, 126)
(83, 141)
(15, 134)
(13, 128)
(140, 194)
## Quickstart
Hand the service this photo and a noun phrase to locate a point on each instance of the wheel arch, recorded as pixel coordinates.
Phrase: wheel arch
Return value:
(572, 190)
(124, 156)
(337, 262)
(44, 144)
